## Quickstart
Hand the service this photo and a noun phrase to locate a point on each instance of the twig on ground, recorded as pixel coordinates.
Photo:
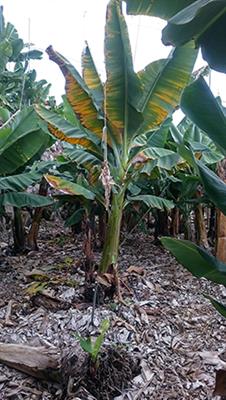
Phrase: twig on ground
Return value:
(8, 321)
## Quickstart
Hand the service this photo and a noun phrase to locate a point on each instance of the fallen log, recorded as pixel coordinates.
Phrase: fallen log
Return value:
(41, 362)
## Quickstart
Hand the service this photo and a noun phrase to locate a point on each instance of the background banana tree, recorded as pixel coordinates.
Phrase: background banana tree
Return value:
(108, 118)
(200, 20)
(23, 136)
(193, 144)
(18, 84)
(23, 139)
(209, 116)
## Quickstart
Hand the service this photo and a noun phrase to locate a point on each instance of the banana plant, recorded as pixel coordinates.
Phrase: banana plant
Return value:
(109, 118)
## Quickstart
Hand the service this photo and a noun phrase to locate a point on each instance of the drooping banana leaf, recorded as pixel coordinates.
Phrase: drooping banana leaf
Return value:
(157, 8)
(199, 104)
(21, 138)
(214, 187)
(64, 130)
(22, 199)
(151, 201)
(166, 159)
(75, 217)
(201, 20)
(204, 22)
(192, 21)
(221, 308)
(19, 182)
(19, 125)
(196, 260)
(82, 157)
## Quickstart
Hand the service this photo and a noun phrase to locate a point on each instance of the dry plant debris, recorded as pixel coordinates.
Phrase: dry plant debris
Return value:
(164, 321)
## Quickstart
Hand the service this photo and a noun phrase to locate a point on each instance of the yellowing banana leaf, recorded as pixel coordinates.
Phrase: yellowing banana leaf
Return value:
(67, 132)
(78, 94)
(68, 187)
(91, 77)
(162, 83)
(122, 83)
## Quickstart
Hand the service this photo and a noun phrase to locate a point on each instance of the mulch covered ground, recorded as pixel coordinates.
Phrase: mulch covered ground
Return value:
(164, 324)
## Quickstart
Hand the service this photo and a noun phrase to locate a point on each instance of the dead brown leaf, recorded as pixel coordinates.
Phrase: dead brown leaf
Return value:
(133, 269)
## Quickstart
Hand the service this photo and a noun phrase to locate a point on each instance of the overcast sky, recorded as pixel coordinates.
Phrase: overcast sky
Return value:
(67, 24)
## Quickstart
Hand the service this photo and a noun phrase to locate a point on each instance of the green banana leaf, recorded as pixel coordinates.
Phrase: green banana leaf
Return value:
(21, 199)
(204, 22)
(122, 85)
(159, 137)
(214, 187)
(82, 157)
(201, 20)
(197, 140)
(68, 112)
(4, 114)
(21, 138)
(221, 308)
(166, 159)
(196, 260)
(176, 134)
(19, 182)
(19, 125)
(206, 113)
(190, 22)
(74, 218)
(151, 201)
(157, 8)
(10, 44)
